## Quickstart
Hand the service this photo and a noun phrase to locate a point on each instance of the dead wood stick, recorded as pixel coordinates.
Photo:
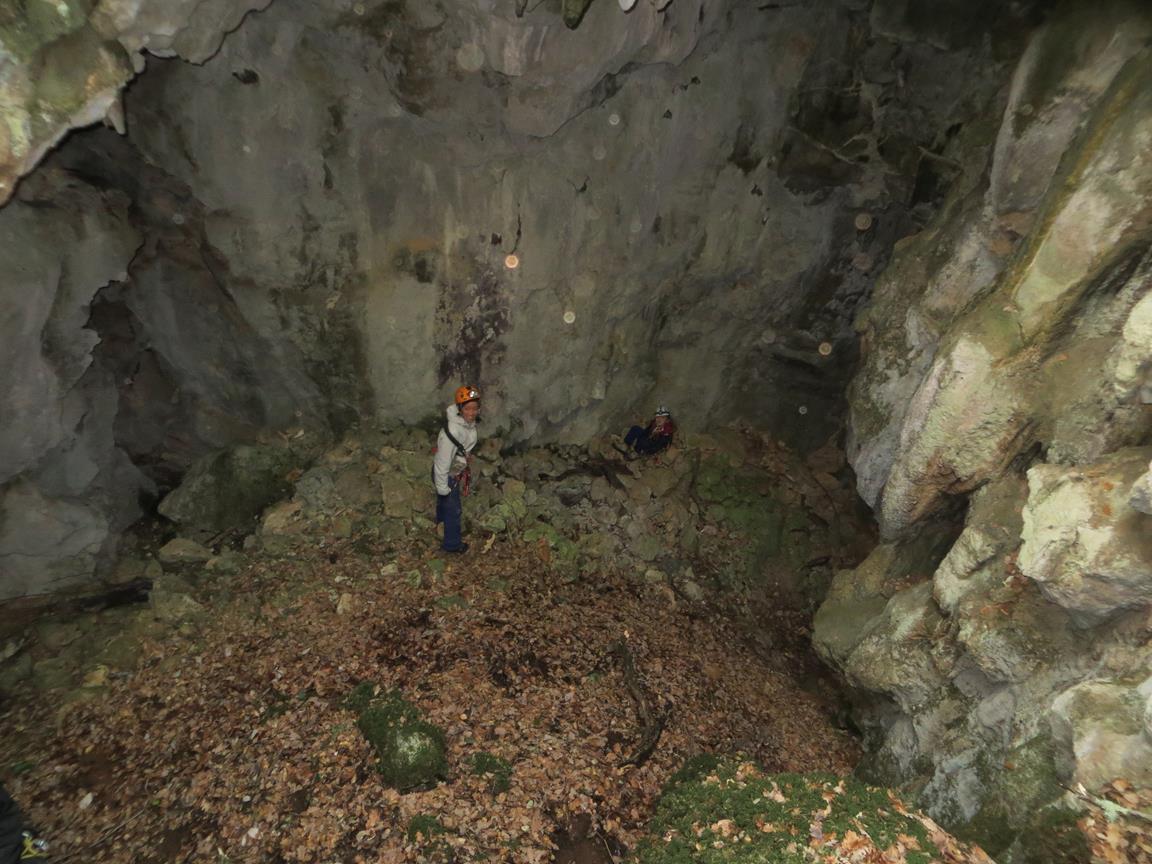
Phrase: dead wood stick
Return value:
(651, 721)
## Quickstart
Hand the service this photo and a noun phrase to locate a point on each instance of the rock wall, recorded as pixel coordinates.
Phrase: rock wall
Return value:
(63, 63)
(1005, 386)
(697, 197)
(679, 188)
(65, 487)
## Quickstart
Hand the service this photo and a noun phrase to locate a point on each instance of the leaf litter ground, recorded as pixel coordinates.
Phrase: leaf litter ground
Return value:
(233, 740)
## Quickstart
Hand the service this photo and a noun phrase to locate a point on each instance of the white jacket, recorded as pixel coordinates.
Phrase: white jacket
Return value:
(449, 460)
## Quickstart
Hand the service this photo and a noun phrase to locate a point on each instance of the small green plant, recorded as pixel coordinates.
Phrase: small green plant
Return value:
(430, 835)
(497, 770)
(452, 601)
(361, 696)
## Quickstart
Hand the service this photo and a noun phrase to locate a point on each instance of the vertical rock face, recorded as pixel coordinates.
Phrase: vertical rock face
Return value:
(679, 189)
(1038, 252)
(1006, 369)
(65, 488)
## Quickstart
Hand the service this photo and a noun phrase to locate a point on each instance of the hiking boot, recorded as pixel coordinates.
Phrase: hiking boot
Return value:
(460, 551)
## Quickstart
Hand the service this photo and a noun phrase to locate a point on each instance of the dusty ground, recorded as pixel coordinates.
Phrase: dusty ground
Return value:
(230, 742)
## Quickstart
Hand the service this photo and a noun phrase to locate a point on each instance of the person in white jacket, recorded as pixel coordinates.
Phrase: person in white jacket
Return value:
(450, 467)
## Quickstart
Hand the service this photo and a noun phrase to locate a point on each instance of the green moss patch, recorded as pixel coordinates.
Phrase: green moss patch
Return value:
(497, 770)
(432, 837)
(425, 828)
(723, 810)
(744, 500)
(565, 554)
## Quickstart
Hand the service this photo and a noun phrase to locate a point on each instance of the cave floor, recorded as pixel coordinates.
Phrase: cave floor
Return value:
(231, 741)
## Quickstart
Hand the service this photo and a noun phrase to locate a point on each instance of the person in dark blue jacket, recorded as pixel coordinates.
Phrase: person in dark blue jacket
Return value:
(653, 438)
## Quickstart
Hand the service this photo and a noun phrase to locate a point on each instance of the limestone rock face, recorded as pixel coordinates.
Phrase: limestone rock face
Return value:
(661, 202)
(63, 64)
(1101, 723)
(66, 489)
(1089, 551)
(1141, 495)
(683, 204)
(993, 327)
(1004, 374)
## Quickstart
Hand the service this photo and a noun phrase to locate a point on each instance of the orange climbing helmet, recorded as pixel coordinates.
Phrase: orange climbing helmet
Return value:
(466, 394)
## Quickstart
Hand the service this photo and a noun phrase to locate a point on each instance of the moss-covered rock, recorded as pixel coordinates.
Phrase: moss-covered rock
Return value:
(564, 553)
(1020, 788)
(507, 513)
(410, 750)
(230, 487)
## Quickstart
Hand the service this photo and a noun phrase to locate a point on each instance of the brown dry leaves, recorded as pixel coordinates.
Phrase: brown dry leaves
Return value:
(1127, 839)
(232, 743)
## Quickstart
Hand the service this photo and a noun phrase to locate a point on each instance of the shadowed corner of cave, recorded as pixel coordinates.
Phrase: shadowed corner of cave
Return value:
(881, 591)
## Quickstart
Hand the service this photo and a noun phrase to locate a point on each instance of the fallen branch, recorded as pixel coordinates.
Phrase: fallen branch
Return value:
(132, 592)
(651, 721)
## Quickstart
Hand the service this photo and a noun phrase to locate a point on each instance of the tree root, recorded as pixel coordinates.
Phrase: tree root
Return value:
(651, 720)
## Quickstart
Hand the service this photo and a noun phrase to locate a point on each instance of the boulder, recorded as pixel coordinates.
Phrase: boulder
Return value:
(171, 600)
(857, 598)
(991, 531)
(1140, 497)
(283, 518)
(662, 479)
(181, 550)
(14, 672)
(229, 488)
(899, 654)
(55, 634)
(316, 492)
(1083, 544)
(126, 570)
(402, 498)
(1099, 726)
(411, 751)
(52, 673)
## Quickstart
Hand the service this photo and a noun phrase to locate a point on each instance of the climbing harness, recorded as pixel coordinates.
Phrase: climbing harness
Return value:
(464, 478)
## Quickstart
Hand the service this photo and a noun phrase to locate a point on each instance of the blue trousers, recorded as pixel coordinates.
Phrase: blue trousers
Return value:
(644, 442)
(449, 510)
(636, 436)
